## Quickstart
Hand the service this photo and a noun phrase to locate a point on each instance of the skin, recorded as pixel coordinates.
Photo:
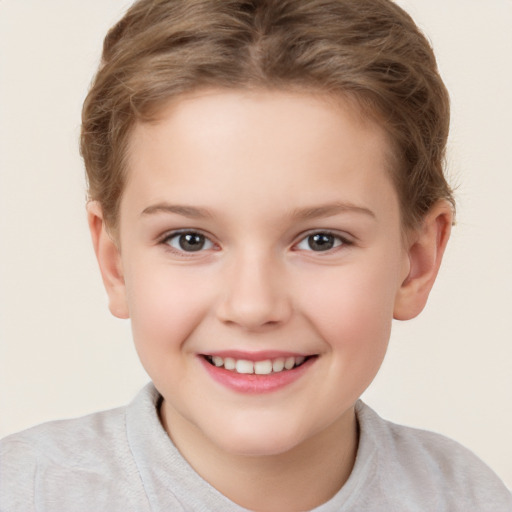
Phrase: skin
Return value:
(257, 173)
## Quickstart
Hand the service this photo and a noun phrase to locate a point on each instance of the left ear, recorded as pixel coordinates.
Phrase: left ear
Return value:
(425, 250)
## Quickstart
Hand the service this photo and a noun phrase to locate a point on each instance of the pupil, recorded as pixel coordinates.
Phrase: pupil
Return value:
(191, 242)
(321, 242)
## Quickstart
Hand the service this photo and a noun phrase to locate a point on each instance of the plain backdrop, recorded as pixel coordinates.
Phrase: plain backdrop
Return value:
(62, 354)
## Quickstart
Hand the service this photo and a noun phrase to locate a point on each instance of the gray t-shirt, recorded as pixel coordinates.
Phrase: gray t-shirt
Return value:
(122, 460)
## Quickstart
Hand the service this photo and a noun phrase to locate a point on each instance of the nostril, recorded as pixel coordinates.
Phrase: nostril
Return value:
(253, 312)
(254, 294)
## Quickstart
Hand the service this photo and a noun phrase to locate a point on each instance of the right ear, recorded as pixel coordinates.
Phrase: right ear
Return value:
(109, 259)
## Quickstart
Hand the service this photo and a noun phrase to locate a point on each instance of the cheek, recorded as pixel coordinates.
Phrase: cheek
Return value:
(352, 306)
(166, 305)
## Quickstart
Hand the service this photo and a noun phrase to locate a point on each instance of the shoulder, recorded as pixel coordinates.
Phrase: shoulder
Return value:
(69, 441)
(67, 461)
(421, 465)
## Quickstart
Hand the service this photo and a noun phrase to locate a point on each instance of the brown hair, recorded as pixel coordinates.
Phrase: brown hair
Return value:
(367, 50)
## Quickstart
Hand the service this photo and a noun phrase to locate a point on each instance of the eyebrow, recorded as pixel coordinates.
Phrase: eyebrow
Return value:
(308, 213)
(186, 211)
(329, 210)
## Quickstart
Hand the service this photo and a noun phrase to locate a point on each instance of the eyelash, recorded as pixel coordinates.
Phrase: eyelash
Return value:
(166, 240)
(338, 241)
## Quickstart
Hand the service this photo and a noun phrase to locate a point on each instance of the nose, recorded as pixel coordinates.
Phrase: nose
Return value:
(255, 296)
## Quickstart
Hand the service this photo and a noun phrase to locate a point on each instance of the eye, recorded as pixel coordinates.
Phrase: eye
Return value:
(188, 241)
(321, 242)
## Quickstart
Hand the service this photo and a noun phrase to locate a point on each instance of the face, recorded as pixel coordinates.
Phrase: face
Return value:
(261, 257)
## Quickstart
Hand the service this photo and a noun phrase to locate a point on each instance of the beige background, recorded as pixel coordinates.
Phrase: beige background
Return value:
(61, 354)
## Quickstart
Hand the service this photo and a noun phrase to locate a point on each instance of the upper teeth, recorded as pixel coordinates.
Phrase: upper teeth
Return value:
(258, 367)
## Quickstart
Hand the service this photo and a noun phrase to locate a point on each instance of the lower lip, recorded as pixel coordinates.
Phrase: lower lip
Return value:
(256, 384)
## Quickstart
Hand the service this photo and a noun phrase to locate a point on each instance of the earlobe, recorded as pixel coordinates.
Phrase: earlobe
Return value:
(109, 261)
(425, 252)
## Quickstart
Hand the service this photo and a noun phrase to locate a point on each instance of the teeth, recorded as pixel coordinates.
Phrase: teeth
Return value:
(243, 366)
(264, 367)
(278, 365)
(229, 363)
(289, 363)
(217, 361)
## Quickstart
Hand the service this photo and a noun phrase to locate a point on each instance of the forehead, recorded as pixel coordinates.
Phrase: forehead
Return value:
(264, 148)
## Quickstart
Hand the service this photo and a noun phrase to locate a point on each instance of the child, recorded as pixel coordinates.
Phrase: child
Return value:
(266, 194)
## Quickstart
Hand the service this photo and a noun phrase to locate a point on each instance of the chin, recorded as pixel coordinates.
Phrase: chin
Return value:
(258, 440)
(252, 448)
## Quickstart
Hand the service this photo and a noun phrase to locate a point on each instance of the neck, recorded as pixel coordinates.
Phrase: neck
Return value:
(275, 483)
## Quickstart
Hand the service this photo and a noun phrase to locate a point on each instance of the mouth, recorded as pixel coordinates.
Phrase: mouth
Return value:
(256, 374)
(268, 366)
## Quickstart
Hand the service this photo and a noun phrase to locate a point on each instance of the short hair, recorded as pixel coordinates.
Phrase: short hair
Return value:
(369, 51)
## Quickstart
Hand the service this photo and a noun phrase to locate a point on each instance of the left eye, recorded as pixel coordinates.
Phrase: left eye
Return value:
(189, 242)
(320, 242)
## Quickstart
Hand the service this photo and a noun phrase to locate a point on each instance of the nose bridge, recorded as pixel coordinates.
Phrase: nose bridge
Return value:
(254, 293)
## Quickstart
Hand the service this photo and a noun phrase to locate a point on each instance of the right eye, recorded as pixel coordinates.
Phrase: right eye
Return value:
(188, 241)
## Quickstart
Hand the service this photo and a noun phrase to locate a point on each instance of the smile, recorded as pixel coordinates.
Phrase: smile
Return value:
(264, 367)
(256, 373)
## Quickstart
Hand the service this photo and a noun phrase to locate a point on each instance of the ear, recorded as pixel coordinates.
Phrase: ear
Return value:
(425, 250)
(109, 260)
